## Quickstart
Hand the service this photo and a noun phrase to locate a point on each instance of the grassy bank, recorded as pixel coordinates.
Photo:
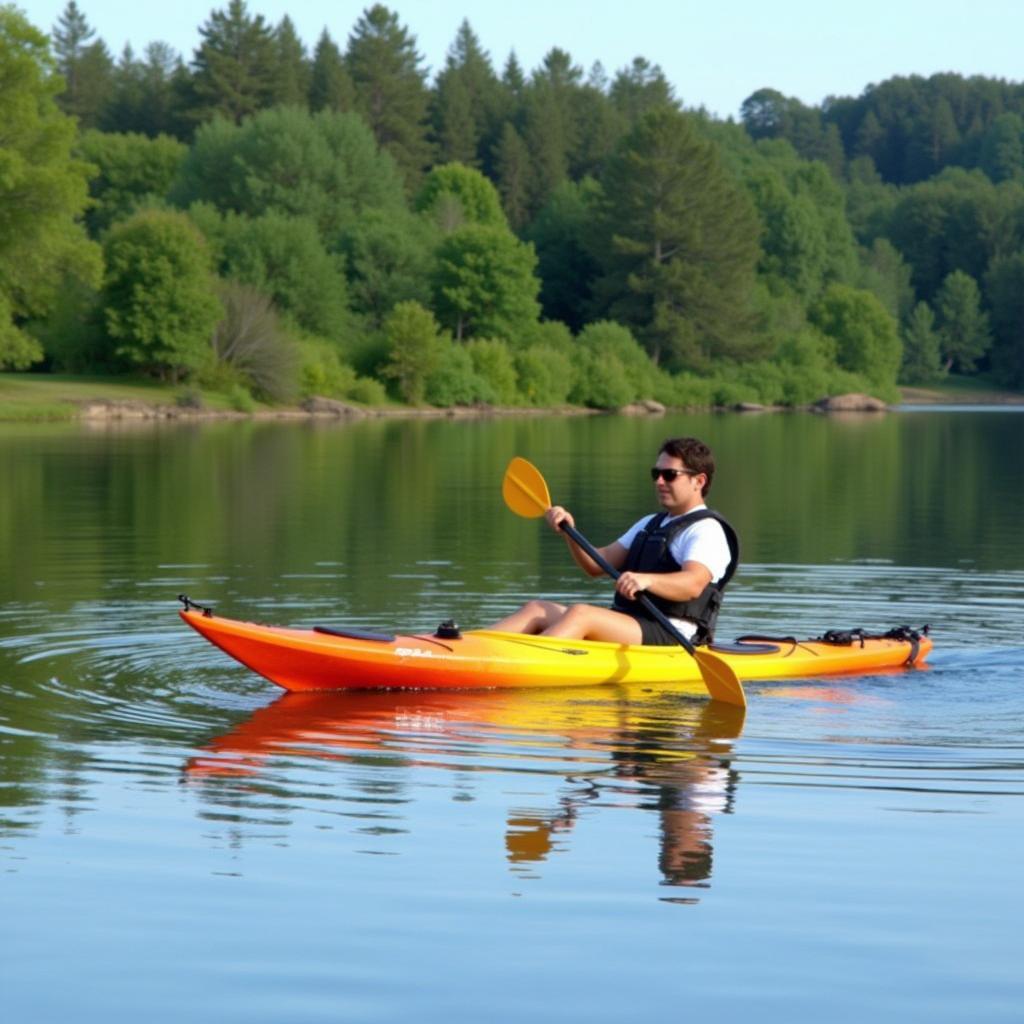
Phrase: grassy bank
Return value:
(962, 391)
(27, 397)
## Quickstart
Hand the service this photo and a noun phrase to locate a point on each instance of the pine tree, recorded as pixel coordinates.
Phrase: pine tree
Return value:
(235, 65)
(964, 331)
(512, 77)
(921, 363)
(87, 67)
(390, 88)
(466, 101)
(512, 172)
(330, 86)
(293, 73)
(122, 113)
(639, 88)
(678, 243)
(1002, 148)
(549, 129)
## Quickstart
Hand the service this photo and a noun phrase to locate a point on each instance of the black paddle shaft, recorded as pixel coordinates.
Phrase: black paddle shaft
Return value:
(648, 604)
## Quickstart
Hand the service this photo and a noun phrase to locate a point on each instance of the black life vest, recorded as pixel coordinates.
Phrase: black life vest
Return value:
(650, 552)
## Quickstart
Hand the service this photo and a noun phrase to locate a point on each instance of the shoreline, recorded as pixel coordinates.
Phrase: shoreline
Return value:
(96, 410)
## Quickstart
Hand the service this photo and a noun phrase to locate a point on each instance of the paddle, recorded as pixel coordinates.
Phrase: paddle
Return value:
(526, 493)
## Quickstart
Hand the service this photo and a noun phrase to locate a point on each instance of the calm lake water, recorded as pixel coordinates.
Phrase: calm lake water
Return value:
(180, 841)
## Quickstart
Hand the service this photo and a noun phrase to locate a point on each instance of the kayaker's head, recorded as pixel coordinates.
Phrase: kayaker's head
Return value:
(683, 473)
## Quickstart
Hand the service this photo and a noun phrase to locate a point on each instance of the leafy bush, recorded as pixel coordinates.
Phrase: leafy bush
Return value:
(367, 391)
(865, 334)
(600, 382)
(454, 380)
(159, 299)
(492, 362)
(240, 399)
(415, 345)
(283, 257)
(322, 372)
(548, 334)
(72, 335)
(545, 376)
(606, 341)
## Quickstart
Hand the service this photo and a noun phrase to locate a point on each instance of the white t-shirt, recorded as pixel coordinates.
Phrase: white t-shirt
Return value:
(703, 542)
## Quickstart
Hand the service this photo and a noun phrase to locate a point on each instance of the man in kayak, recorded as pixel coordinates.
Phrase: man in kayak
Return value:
(682, 558)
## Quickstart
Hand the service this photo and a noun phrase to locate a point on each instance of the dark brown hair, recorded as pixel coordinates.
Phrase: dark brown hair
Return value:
(696, 455)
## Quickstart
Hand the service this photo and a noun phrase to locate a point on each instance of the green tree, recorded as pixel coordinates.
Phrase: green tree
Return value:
(958, 220)
(284, 259)
(390, 254)
(330, 86)
(640, 88)
(293, 72)
(864, 334)
(550, 130)
(415, 344)
(1001, 154)
(236, 65)
(131, 169)
(390, 88)
(512, 173)
(964, 330)
(566, 265)
(145, 95)
(454, 194)
(921, 363)
(794, 240)
(886, 275)
(678, 243)
(87, 67)
(1004, 287)
(934, 138)
(323, 166)
(159, 296)
(465, 101)
(484, 284)
(43, 191)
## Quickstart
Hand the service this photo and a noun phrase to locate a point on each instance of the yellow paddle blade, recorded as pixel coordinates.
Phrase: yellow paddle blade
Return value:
(722, 682)
(525, 490)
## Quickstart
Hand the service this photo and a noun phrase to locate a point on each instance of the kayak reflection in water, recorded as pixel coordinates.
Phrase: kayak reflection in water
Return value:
(687, 781)
(632, 750)
(682, 558)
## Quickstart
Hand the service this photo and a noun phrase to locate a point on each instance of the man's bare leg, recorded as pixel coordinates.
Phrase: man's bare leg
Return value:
(534, 617)
(587, 622)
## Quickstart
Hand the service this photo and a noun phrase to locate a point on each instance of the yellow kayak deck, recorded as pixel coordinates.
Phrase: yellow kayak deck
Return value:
(317, 659)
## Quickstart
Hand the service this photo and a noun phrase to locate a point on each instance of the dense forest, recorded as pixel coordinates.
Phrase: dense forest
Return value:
(271, 221)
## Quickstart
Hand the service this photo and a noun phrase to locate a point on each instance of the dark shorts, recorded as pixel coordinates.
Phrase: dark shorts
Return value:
(653, 633)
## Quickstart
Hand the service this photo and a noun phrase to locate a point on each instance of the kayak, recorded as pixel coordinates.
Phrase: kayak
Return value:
(330, 658)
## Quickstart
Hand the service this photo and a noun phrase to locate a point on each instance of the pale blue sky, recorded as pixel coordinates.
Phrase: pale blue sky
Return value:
(715, 54)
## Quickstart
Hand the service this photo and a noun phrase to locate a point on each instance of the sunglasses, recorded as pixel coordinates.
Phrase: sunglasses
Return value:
(671, 475)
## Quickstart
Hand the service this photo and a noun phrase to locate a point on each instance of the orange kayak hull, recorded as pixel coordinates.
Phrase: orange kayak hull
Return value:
(307, 659)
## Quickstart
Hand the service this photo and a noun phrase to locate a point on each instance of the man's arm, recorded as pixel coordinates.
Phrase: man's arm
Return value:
(613, 553)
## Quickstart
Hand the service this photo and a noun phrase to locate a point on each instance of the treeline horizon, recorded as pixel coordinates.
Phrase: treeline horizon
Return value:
(277, 221)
